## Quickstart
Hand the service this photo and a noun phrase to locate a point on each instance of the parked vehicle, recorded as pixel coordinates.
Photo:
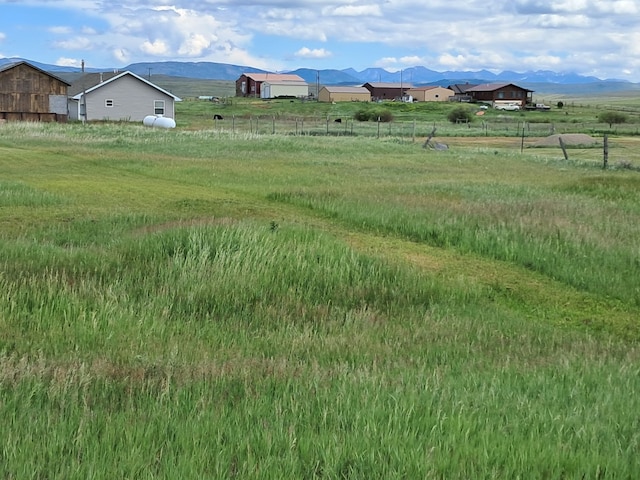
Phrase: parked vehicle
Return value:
(508, 106)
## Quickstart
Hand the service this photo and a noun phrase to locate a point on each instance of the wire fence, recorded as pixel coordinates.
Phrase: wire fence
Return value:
(407, 128)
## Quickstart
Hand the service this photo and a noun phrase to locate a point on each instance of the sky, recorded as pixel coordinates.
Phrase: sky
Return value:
(598, 38)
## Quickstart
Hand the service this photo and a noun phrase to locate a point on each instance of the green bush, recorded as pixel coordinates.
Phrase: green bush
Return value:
(612, 117)
(373, 115)
(460, 115)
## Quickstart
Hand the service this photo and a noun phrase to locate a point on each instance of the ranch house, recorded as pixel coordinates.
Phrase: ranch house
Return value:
(28, 93)
(495, 93)
(118, 96)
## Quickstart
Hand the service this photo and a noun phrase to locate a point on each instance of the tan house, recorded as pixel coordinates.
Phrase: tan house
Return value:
(430, 93)
(344, 94)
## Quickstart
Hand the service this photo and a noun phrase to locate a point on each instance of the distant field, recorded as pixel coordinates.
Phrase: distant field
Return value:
(209, 303)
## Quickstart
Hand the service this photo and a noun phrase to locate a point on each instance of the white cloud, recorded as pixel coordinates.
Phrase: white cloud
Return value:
(353, 11)
(305, 52)
(69, 62)
(156, 48)
(2, 36)
(76, 43)
(60, 30)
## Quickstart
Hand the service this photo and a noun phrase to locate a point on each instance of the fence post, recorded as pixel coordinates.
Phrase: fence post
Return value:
(564, 148)
(606, 151)
(378, 127)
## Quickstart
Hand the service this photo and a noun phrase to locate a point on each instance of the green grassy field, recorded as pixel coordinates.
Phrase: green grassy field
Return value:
(203, 303)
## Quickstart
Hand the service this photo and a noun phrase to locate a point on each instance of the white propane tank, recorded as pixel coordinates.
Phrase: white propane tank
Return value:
(158, 121)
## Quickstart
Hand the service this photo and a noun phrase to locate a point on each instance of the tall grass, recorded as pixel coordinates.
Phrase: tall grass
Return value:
(200, 304)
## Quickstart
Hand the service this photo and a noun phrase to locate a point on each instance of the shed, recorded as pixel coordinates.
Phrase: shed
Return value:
(250, 84)
(118, 96)
(31, 94)
(344, 94)
(433, 93)
(284, 88)
(386, 90)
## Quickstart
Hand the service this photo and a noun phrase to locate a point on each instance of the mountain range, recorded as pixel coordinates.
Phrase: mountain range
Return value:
(415, 75)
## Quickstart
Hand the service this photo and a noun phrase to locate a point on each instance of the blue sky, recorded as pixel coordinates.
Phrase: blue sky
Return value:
(589, 37)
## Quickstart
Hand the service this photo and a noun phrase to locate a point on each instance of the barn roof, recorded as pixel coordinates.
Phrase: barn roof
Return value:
(274, 77)
(11, 65)
(427, 87)
(92, 81)
(389, 85)
(343, 89)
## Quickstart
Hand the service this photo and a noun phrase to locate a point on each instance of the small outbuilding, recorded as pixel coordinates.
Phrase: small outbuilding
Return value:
(250, 85)
(118, 96)
(386, 90)
(284, 88)
(344, 94)
(28, 93)
(432, 93)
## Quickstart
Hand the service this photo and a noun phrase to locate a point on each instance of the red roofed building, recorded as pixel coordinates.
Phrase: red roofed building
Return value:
(250, 84)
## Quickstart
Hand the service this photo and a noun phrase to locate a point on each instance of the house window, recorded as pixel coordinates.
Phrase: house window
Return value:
(108, 102)
(244, 87)
(158, 107)
(500, 94)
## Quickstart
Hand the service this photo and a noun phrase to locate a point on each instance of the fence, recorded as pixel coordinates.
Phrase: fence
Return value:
(407, 128)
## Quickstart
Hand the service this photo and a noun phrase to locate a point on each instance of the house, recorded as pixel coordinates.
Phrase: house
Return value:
(284, 88)
(387, 91)
(460, 91)
(496, 93)
(31, 94)
(250, 84)
(118, 96)
(344, 94)
(430, 93)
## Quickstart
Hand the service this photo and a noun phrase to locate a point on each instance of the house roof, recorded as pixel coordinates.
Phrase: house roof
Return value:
(9, 66)
(295, 83)
(273, 77)
(492, 87)
(92, 81)
(389, 85)
(427, 88)
(461, 87)
(339, 89)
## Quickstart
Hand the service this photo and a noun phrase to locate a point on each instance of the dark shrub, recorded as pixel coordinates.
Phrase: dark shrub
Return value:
(460, 115)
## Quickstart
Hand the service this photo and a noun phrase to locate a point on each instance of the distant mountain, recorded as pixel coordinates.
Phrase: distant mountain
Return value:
(326, 77)
(415, 75)
(49, 68)
(202, 70)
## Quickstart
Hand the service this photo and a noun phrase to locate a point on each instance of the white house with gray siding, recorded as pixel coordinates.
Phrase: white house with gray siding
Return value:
(118, 96)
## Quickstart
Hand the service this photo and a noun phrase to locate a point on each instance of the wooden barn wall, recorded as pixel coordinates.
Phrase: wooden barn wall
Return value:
(27, 92)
